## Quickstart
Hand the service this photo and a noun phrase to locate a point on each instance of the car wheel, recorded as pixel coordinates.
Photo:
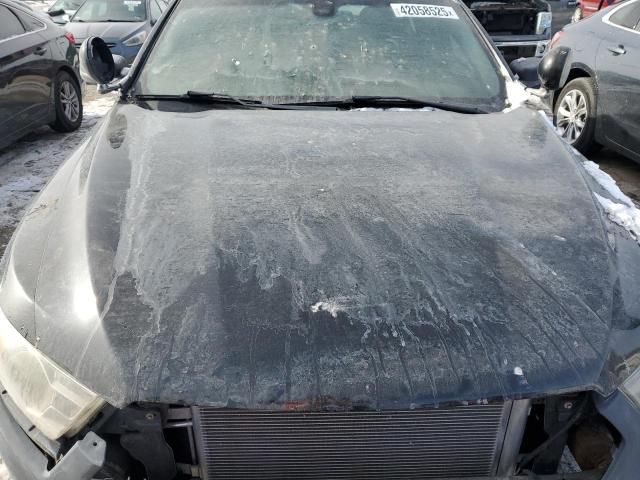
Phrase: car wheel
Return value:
(68, 103)
(575, 114)
(577, 15)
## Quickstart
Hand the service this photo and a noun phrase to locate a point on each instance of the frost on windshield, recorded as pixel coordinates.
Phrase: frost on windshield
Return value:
(287, 52)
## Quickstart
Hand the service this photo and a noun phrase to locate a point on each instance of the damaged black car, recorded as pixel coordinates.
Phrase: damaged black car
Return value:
(320, 240)
(519, 28)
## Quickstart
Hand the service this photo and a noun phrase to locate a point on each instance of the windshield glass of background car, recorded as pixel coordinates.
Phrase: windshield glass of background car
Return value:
(292, 51)
(627, 16)
(66, 5)
(111, 11)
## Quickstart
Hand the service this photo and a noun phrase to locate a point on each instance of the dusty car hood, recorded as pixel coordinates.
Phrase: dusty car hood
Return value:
(277, 259)
(105, 30)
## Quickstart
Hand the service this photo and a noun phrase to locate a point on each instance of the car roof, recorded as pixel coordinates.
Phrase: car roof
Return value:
(24, 6)
(28, 9)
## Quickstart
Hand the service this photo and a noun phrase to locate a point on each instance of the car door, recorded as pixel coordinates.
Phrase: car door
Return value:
(618, 67)
(25, 68)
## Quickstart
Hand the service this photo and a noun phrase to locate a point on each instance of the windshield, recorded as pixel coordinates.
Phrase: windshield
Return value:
(111, 11)
(294, 51)
(68, 5)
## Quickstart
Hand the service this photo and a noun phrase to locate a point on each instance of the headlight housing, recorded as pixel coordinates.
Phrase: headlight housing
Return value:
(47, 395)
(543, 23)
(631, 387)
(137, 39)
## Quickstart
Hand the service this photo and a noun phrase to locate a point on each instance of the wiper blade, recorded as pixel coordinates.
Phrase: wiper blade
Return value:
(212, 98)
(380, 101)
(221, 98)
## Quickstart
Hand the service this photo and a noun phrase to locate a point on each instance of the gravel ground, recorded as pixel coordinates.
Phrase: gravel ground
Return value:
(28, 164)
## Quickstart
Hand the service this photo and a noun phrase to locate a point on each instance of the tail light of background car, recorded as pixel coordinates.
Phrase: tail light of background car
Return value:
(557, 36)
(69, 36)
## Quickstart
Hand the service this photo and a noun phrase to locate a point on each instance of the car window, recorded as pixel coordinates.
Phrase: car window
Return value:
(154, 10)
(111, 11)
(10, 26)
(30, 23)
(628, 16)
(286, 50)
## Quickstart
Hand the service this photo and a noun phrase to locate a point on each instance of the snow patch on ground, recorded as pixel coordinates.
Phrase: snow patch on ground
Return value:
(517, 95)
(27, 165)
(607, 182)
(625, 213)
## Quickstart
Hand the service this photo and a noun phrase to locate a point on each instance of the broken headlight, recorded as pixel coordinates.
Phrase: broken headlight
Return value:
(543, 23)
(631, 387)
(47, 395)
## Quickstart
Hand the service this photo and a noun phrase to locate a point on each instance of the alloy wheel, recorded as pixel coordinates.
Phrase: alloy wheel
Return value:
(70, 101)
(572, 115)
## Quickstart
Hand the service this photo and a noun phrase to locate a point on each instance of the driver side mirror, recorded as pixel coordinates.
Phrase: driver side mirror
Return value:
(96, 61)
(553, 69)
(98, 65)
(56, 13)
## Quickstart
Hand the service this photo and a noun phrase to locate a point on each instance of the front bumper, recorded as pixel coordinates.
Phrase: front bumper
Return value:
(27, 462)
(516, 46)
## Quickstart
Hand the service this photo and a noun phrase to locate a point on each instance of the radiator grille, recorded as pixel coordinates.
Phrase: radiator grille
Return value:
(432, 443)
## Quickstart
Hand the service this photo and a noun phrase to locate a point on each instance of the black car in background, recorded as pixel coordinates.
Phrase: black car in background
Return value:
(598, 104)
(39, 81)
(519, 28)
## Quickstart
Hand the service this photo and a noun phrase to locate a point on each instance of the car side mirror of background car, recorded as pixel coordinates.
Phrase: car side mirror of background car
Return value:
(96, 62)
(553, 69)
(56, 13)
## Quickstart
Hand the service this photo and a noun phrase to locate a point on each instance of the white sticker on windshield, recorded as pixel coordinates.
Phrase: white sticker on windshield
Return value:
(420, 10)
(133, 3)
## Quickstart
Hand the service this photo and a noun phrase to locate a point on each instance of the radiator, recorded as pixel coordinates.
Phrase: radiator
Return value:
(461, 441)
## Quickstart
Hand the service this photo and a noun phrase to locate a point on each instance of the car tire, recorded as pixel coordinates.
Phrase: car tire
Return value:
(574, 114)
(67, 102)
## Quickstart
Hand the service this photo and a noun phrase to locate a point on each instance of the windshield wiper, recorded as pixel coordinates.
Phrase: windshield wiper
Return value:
(380, 101)
(212, 98)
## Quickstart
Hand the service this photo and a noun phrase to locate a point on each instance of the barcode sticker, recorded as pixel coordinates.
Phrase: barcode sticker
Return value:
(420, 10)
